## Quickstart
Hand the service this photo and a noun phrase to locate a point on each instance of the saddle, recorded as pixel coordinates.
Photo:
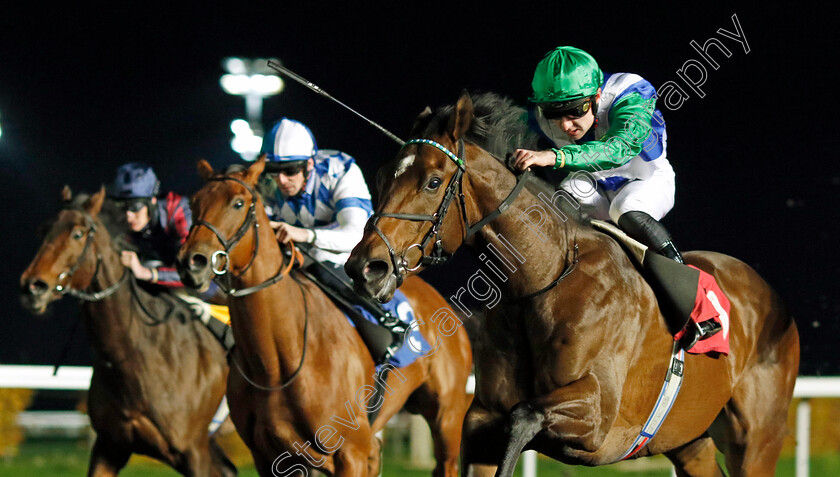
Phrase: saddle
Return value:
(382, 336)
(688, 297)
(215, 317)
(380, 326)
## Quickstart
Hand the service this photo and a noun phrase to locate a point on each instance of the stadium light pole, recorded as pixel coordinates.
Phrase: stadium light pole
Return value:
(255, 81)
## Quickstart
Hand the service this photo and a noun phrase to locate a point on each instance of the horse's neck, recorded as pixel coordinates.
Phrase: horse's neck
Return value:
(112, 330)
(532, 240)
(269, 323)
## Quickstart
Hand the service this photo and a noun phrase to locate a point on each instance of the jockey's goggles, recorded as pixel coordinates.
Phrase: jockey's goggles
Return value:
(575, 108)
(288, 169)
(131, 205)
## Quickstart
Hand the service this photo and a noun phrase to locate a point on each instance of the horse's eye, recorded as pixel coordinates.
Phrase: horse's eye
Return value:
(434, 183)
(239, 204)
(77, 234)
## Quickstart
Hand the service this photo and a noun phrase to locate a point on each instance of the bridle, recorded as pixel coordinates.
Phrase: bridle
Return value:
(66, 275)
(438, 255)
(228, 244)
(108, 291)
(250, 222)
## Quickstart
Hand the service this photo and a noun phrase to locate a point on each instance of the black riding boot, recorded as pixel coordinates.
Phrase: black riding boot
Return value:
(650, 232)
(383, 340)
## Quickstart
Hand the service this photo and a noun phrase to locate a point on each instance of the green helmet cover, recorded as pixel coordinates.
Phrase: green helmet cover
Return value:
(566, 73)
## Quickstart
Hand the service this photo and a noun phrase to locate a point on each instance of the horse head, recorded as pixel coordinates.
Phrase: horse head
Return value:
(67, 258)
(422, 214)
(222, 237)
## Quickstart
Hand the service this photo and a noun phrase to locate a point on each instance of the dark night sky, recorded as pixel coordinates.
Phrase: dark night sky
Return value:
(82, 91)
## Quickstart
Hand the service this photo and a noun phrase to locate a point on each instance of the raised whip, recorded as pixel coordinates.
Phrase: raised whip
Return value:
(291, 74)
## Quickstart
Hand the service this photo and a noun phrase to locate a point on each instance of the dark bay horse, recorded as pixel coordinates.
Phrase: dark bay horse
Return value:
(570, 360)
(156, 383)
(302, 379)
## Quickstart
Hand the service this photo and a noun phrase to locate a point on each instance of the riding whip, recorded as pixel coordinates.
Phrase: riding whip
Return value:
(291, 74)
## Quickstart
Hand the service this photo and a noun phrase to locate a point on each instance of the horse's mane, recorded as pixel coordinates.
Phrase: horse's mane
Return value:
(113, 218)
(110, 215)
(500, 127)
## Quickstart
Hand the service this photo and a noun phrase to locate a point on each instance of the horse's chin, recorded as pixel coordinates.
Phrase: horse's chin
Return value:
(199, 284)
(197, 281)
(382, 290)
(387, 289)
(36, 306)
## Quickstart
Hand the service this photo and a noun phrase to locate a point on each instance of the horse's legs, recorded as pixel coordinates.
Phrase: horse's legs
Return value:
(480, 470)
(107, 460)
(755, 426)
(197, 461)
(696, 459)
(266, 466)
(446, 435)
(572, 411)
(222, 465)
(375, 457)
(525, 422)
(751, 428)
(444, 412)
(482, 442)
(352, 460)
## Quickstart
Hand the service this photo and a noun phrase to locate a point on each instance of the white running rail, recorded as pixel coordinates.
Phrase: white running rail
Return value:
(78, 378)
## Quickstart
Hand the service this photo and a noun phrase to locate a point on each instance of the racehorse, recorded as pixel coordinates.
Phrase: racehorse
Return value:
(301, 373)
(570, 361)
(157, 381)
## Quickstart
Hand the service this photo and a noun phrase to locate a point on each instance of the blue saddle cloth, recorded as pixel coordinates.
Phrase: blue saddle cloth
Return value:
(415, 345)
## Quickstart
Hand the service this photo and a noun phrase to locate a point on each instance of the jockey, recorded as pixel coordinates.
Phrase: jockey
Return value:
(607, 127)
(158, 227)
(608, 134)
(318, 197)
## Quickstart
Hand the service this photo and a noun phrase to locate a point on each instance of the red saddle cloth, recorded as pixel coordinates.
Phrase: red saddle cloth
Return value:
(710, 303)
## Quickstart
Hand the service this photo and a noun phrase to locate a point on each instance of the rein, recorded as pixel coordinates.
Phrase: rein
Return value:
(302, 355)
(455, 187)
(228, 244)
(88, 296)
(67, 275)
(439, 256)
(249, 223)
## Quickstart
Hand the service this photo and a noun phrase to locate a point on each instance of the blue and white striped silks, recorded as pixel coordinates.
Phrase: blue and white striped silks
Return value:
(336, 203)
(415, 344)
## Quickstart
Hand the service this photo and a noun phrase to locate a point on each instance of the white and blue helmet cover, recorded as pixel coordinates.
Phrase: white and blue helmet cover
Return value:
(289, 141)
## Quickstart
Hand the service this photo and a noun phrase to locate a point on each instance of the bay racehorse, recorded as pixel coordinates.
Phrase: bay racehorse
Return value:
(302, 378)
(571, 360)
(157, 379)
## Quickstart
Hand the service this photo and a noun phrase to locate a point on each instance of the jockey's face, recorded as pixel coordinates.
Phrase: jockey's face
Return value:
(291, 185)
(137, 220)
(576, 127)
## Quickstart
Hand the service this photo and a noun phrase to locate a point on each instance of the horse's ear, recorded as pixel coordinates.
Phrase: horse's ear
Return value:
(255, 170)
(66, 194)
(420, 120)
(460, 121)
(205, 170)
(94, 203)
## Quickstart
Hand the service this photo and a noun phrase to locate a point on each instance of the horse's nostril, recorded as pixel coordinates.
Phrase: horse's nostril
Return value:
(38, 287)
(375, 270)
(198, 261)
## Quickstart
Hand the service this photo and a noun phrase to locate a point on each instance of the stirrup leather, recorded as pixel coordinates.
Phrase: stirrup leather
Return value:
(696, 332)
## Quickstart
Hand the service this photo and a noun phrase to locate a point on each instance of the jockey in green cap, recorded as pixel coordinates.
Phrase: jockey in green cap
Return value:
(606, 132)
(607, 128)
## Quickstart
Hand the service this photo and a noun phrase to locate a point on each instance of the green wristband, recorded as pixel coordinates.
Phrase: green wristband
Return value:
(559, 158)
